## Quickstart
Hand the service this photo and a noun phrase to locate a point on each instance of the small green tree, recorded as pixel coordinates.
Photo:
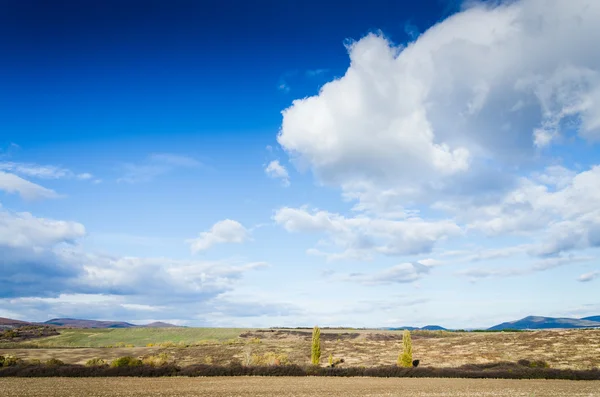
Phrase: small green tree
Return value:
(405, 357)
(315, 356)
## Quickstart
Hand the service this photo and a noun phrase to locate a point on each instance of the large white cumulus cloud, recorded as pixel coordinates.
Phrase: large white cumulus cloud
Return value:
(459, 134)
(490, 85)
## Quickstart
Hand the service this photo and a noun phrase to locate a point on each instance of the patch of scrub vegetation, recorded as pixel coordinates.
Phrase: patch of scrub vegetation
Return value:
(127, 361)
(95, 362)
(135, 337)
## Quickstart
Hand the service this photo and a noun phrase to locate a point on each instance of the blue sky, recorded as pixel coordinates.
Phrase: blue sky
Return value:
(298, 163)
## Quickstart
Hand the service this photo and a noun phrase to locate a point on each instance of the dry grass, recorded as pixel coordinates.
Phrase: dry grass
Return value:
(568, 349)
(181, 387)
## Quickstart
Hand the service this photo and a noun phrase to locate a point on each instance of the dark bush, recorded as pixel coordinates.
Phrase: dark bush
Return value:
(497, 370)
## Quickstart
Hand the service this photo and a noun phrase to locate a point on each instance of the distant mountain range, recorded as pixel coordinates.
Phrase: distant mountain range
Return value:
(79, 323)
(536, 322)
(530, 322)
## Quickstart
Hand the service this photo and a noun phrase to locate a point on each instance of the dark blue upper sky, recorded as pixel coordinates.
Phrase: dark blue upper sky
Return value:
(79, 69)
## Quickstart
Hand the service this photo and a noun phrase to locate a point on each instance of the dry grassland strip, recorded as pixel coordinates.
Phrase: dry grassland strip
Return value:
(565, 349)
(301, 387)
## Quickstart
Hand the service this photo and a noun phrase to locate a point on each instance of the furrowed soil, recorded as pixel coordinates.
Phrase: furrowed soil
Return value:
(181, 387)
(561, 349)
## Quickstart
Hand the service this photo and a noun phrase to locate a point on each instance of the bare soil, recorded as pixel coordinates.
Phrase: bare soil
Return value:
(256, 386)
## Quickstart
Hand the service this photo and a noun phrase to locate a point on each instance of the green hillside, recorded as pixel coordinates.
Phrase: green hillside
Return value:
(135, 336)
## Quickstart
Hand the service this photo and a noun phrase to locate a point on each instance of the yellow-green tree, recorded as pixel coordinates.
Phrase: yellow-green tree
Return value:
(405, 357)
(315, 356)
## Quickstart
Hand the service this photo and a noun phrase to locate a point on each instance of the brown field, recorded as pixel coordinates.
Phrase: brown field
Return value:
(564, 349)
(180, 387)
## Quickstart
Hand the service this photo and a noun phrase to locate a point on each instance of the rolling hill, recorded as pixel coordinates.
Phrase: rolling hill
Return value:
(10, 323)
(537, 322)
(592, 318)
(160, 324)
(6, 323)
(79, 323)
(432, 328)
(425, 328)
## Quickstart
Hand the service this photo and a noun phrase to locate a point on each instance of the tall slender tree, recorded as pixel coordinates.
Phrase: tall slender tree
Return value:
(315, 356)
(405, 357)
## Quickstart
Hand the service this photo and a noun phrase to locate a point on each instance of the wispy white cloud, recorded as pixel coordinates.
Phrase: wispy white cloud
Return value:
(42, 171)
(283, 86)
(85, 176)
(174, 160)
(155, 165)
(534, 265)
(407, 272)
(360, 237)
(589, 276)
(275, 170)
(23, 230)
(225, 231)
(11, 183)
(316, 72)
(297, 77)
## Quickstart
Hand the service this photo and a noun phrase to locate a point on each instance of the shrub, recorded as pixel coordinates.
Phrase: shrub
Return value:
(247, 357)
(126, 361)
(54, 362)
(10, 361)
(2, 361)
(157, 360)
(405, 358)
(315, 356)
(533, 364)
(208, 360)
(9, 334)
(269, 359)
(149, 344)
(129, 345)
(168, 344)
(330, 360)
(95, 362)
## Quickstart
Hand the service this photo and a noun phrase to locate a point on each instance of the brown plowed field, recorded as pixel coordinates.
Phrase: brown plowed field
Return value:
(302, 387)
